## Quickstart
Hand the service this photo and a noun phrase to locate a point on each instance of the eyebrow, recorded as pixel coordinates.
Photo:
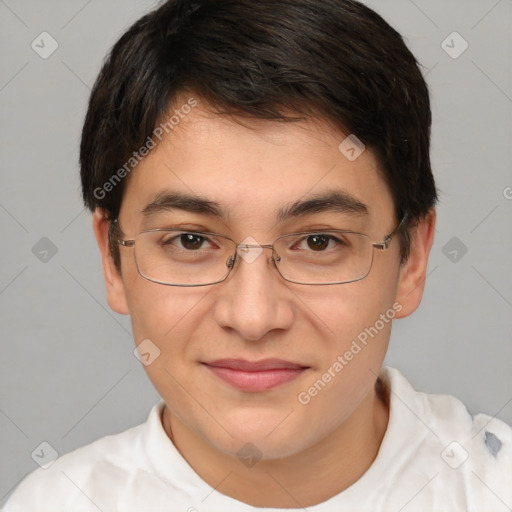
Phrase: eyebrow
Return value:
(330, 201)
(166, 201)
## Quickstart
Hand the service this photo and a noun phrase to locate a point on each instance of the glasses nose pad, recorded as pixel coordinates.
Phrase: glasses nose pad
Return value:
(276, 260)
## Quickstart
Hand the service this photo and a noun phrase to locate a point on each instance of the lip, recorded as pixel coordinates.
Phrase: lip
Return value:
(255, 376)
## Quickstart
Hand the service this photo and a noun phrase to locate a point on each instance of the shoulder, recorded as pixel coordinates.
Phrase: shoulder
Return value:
(69, 481)
(473, 453)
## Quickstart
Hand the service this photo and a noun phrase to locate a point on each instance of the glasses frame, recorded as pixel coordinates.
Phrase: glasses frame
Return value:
(230, 263)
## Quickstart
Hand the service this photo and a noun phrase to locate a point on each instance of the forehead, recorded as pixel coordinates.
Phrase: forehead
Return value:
(252, 166)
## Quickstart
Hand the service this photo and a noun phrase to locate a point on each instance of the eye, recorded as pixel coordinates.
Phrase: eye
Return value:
(318, 242)
(188, 241)
(191, 241)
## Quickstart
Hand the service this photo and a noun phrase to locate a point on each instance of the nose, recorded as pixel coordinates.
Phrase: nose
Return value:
(254, 300)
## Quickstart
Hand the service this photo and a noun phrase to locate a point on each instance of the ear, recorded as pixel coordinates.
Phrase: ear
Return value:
(114, 283)
(413, 272)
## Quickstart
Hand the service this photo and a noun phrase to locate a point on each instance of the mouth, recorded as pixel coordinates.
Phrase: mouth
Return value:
(255, 376)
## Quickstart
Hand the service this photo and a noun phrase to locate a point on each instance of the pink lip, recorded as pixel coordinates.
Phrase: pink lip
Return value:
(257, 375)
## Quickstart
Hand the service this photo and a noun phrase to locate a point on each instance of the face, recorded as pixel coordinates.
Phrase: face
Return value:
(251, 171)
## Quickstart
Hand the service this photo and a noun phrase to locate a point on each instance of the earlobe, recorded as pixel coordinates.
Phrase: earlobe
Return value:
(114, 284)
(413, 272)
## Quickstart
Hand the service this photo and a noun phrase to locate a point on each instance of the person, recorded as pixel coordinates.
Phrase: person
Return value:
(264, 205)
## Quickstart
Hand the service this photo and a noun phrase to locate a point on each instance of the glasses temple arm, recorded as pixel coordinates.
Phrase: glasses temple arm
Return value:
(385, 243)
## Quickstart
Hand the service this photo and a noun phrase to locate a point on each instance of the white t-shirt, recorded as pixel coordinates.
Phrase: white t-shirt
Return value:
(434, 457)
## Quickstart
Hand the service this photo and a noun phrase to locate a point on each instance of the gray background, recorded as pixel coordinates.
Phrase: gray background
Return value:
(68, 374)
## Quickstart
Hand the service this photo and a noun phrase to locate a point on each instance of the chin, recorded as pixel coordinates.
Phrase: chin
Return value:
(264, 436)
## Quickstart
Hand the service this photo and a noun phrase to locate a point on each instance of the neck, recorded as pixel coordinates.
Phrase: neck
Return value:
(304, 479)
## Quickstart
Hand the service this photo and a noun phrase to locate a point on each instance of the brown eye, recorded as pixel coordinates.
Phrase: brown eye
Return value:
(191, 242)
(318, 242)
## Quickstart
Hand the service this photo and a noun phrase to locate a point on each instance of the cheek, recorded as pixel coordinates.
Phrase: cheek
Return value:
(342, 312)
(356, 320)
(353, 323)
(156, 310)
(167, 316)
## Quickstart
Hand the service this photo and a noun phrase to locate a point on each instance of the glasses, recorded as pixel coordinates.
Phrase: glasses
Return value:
(176, 257)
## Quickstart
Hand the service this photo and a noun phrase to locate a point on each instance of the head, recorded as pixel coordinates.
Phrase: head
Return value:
(239, 113)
